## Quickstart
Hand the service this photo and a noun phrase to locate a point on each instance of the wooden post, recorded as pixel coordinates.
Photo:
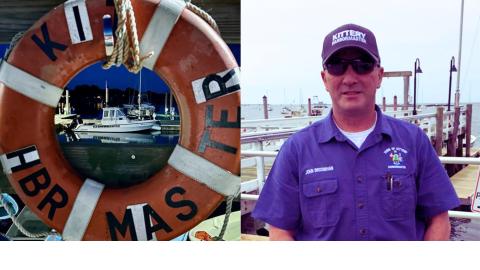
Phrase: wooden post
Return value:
(384, 104)
(468, 130)
(460, 138)
(452, 140)
(309, 107)
(406, 87)
(395, 103)
(439, 131)
(265, 107)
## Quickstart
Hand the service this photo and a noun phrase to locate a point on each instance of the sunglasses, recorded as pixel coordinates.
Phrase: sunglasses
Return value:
(338, 67)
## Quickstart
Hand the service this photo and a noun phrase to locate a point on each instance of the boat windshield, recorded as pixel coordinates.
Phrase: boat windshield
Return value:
(120, 113)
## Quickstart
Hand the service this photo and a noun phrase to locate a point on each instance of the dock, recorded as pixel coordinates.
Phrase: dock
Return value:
(464, 183)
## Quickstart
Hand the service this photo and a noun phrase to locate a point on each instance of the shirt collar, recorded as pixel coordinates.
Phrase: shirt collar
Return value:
(329, 130)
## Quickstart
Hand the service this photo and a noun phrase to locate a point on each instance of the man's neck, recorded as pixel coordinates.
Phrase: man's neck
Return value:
(355, 122)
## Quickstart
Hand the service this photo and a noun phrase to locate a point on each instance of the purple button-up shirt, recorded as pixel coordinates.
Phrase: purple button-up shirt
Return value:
(323, 187)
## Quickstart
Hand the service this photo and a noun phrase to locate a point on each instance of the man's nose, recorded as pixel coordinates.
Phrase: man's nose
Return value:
(350, 76)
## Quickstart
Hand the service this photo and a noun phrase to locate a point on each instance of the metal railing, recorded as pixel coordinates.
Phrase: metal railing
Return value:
(257, 184)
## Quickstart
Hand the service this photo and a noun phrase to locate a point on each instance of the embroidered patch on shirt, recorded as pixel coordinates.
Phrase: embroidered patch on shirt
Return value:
(397, 156)
(319, 169)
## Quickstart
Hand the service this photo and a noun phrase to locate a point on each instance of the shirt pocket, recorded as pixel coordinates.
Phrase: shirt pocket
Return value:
(398, 198)
(321, 202)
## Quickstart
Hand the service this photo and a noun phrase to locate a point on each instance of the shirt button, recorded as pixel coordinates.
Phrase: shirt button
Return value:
(363, 231)
(359, 179)
(318, 190)
(360, 205)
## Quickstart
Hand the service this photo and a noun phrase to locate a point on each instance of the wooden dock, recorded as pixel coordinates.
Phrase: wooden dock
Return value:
(252, 237)
(464, 183)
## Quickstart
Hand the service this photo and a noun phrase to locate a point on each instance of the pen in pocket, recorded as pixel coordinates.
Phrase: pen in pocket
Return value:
(389, 181)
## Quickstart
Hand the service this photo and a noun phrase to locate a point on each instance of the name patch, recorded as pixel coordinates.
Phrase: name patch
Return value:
(318, 170)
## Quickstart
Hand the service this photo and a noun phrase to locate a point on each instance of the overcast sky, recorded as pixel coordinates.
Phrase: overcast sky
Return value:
(282, 44)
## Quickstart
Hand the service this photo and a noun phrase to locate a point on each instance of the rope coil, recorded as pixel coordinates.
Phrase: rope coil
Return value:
(127, 49)
(202, 14)
(13, 42)
(16, 222)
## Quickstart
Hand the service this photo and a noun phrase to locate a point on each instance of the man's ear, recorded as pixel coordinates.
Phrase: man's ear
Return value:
(380, 76)
(324, 79)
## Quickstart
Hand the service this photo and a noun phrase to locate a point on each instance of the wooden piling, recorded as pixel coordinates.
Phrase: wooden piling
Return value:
(459, 150)
(384, 104)
(452, 141)
(395, 103)
(468, 130)
(309, 107)
(265, 107)
(439, 131)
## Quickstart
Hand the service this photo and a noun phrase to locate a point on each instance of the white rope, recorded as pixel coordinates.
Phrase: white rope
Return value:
(227, 217)
(16, 222)
(126, 50)
(204, 15)
(13, 43)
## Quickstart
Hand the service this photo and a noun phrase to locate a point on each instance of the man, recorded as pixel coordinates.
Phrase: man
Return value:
(357, 174)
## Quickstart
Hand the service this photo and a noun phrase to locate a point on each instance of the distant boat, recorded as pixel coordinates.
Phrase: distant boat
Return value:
(143, 112)
(64, 115)
(113, 120)
(317, 106)
(140, 111)
(472, 141)
(289, 113)
(286, 110)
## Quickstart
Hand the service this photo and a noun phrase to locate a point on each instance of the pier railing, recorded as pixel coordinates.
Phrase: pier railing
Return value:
(257, 184)
(452, 127)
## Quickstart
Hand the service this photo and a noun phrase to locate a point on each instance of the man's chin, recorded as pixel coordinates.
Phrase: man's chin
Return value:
(354, 109)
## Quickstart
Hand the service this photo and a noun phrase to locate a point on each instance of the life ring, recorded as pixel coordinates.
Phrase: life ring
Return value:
(203, 168)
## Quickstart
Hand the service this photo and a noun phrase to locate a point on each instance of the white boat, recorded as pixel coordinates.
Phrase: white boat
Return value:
(285, 110)
(106, 137)
(113, 120)
(317, 106)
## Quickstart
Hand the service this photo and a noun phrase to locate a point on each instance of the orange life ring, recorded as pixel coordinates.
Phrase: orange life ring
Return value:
(204, 167)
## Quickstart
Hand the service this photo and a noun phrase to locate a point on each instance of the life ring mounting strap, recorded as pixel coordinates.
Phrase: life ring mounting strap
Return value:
(204, 171)
(29, 85)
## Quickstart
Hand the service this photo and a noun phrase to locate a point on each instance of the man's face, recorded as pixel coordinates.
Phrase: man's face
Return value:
(352, 93)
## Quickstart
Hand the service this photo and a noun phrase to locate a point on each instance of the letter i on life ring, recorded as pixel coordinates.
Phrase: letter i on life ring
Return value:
(203, 168)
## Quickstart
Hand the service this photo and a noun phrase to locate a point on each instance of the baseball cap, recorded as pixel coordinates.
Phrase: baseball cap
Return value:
(350, 35)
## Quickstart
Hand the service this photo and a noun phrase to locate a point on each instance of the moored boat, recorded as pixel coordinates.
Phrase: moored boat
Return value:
(113, 120)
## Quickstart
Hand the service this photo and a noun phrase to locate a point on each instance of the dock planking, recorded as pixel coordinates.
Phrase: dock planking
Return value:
(464, 183)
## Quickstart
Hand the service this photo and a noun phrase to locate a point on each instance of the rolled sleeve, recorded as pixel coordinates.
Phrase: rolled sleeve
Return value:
(278, 203)
(435, 192)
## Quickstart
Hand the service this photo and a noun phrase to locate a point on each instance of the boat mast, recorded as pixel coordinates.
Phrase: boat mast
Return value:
(171, 97)
(140, 97)
(166, 97)
(106, 94)
(457, 93)
(67, 103)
